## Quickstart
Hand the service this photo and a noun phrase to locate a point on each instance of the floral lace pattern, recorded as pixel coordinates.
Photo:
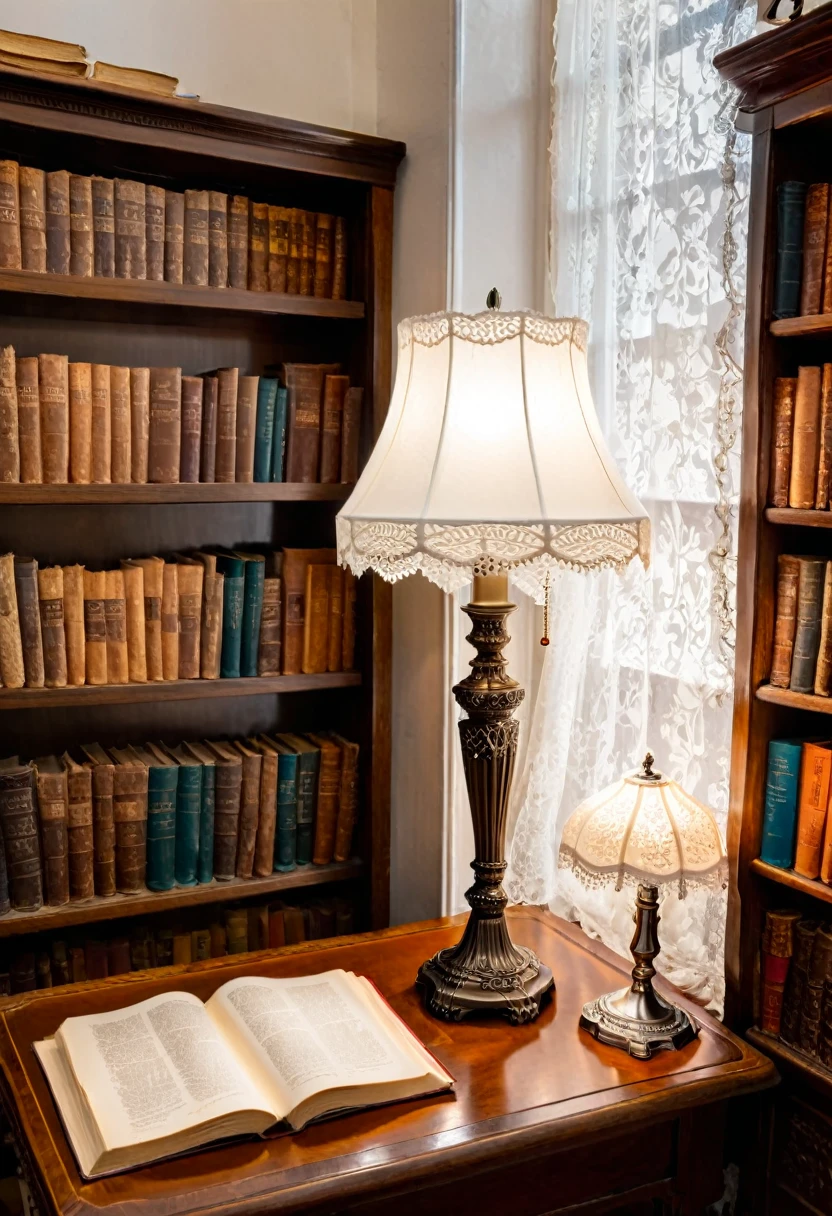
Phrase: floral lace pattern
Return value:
(489, 328)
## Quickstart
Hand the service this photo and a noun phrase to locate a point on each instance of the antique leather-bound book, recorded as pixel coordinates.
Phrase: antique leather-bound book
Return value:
(9, 215)
(74, 625)
(60, 963)
(162, 785)
(252, 762)
(174, 236)
(120, 426)
(196, 252)
(190, 572)
(273, 248)
(80, 423)
(225, 464)
(211, 621)
(118, 956)
(277, 267)
(304, 382)
(165, 425)
(53, 390)
(339, 259)
(814, 248)
(819, 972)
(142, 949)
(102, 433)
(267, 814)
(307, 254)
(80, 226)
(28, 611)
(258, 927)
(247, 387)
(51, 604)
(797, 980)
(295, 563)
(293, 925)
(347, 798)
(130, 820)
(115, 623)
(28, 420)
(208, 761)
(53, 817)
(236, 929)
(329, 788)
(228, 782)
(217, 239)
(9, 445)
(295, 244)
(824, 440)
(32, 219)
(281, 407)
(805, 438)
(154, 226)
(103, 825)
(208, 438)
(785, 388)
(133, 575)
(232, 567)
(200, 945)
(823, 668)
(332, 415)
(791, 202)
(277, 929)
(268, 654)
(348, 644)
(189, 455)
(826, 849)
(95, 626)
(58, 240)
(264, 428)
(324, 239)
(22, 973)
(826, 303)
(255, 566)
(18, 820)
(170, 621)
(807, 629)
(79, 828)
(188, 812)
(286, 827)
(351, 435)
(139, 424)
(103, 228)
(153, 568)
(11, 646)
(258, 248)
(130, 229)
(238, 220)
(316, 623)
(335, 619)
(813, 800)
(43, 970)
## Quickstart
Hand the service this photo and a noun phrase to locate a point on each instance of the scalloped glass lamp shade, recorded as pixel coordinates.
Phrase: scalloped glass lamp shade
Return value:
(491, 459)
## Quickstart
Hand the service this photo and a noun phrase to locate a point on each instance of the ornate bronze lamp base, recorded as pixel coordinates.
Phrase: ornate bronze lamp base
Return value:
(637, 1019)
(486, 972)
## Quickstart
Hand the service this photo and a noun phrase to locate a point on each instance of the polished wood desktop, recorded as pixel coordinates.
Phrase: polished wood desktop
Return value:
(542, 1119)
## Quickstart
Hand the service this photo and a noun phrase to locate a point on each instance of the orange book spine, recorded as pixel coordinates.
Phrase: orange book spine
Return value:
(813, 800)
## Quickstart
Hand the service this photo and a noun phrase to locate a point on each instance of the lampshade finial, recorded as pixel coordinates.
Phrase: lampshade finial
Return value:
(647, 773)
(493, 300)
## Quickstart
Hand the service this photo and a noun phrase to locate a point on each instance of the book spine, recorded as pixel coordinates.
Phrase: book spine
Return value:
(236, 924)
(103, 830)
(80, 226)
(162, 800)
(335, 619)
(268, 652)
(295, 243)
(324, 236)
(189, 579)
(781, 803)
(115, 628)
(32, 219)
(154, 227)
(267, 816)
(205, 864)
(118, 956)
(79, 377)
(791, 202)
(813, 798)
(278, 263)
(278, 470)
(52, 809)
(304, 384)
(826, 305)
(58, 240)
(95, 627)
(20, 839)
(820, 971)
(189, 455)
(28, 420)
(329, 786)
(170, 621)
(225, 467)
(249, 815)
(80, 833)
(774, 972)
(823, 669)
(103, 228)
(293, 614)
(28, 611)
(217, 239)
(252, 617)
(273, 248)
(264, 428)
(805, 438)
(316, 622)
(211, 631)
(247, 389)
(332, 414)
(120, 426)
(74, 625)
(139, 424)
(134, 622)
(174, 236)
(165, 425)
(285, 848)
(196, 238)
(307, 254)
(814, 248)
(102, 434)
(131, 230)
(232, 621)
(51, 605)
(825, 440)
(788, 573)
(351, 433)
(348, 646)
(228, 781)
(807, 628)
(339, 260)
(153, 570)
(12, 669)
(5, 901)
(208, 439)
(130, 821)
(258, 248)
(347, 802)
(53, 388)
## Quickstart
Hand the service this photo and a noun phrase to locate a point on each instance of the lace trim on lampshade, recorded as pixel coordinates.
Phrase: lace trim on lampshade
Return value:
(489, 328)
(713, 879)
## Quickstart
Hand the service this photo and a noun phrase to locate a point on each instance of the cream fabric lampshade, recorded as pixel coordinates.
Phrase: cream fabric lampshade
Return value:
(491, 459)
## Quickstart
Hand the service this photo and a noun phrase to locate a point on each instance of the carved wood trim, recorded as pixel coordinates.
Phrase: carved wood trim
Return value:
(780, 63)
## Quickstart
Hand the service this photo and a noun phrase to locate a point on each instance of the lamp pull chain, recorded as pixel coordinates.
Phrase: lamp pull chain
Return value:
(544, 641)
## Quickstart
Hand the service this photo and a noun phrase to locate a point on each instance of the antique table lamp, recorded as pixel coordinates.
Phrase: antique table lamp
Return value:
(644, 830)
(490, 463)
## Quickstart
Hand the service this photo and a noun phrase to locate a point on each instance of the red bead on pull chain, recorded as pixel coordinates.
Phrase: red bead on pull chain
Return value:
(544, 641)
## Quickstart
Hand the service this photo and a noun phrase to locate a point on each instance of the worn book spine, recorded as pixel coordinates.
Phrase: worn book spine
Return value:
(780, 813)
(80, 423)
(208, 437)
(335, 619)
(278, 469)
(814, 248)
(238, 220)
(102, 433)
(236, 924)
(53, 389)
(104, 832)
(205, 863)
(154, 227)
(332, 415)
(19, 822)
(274, 250)
(225, 465)
(232, 616)
(153, 569)
(304, 382)
(189, 455)
(217, 239)
(264, 428)
(95, 626)
(188, 808)
(347, 801)
(74, 625)
(174, 236)
(170, 621)
(28, 420)
(268, 653)
(11, 647)
(293, 259)
(228, 781)
(196, 252)
(115, 626)
(267, 815)
(247, 388)
(5, 901)
(307, 254)
(118, 956)
(791, 202)
(285, 844)
(120, 426)
(52, 812)
(823, 670)
(139, 424)
(307, 802)
(130, 230)
(316, 623)
(277, 265)
(9, 215)
(348, 646)
(822, 486)
(820, 970)
(80, 226)
(258, 248)
(805, 438)
(324, 238)
(28, 611)
(103, 228)
(813, 798)
(79, 830)
(252, 616)
(211, 628)
(130, 820)
(293, 607)
(32, 219)
(58, 240)
(51, 605)
(162, 796)
(165, 425)
(807, 628)
(134, 621)
(189, 581)
(788, 573)
(60, 964)
(339, 259)
(329, 787)
(351, 435)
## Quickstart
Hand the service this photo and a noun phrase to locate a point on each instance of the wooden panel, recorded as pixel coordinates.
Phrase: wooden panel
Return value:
(788, 878)
(794, 517)
(279, 491)
(794, 700)
(780, 62)
(811, 327)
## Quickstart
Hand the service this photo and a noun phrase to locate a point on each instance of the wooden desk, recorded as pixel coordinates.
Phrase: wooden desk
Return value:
(543, 1117)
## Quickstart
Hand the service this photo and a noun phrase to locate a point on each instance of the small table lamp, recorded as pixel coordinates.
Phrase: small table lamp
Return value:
(491, 462)
(643, 829)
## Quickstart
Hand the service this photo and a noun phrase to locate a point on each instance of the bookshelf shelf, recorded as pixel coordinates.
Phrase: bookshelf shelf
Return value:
(819, 326)
(794, 700)
(181, 492)
(798, 518)
(146, 903)
(796, 882)
(813, 1072)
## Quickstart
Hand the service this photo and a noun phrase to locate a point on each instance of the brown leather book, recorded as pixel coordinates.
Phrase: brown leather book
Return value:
(52, 815)
(76, 662)
(217, 239)
(189, 455)
(103, 825)
(238, 242)
(218, 940)
(78, 964)
(120, 426)
(306, 286)
(329, 788)
(196, 253)
(28, 420)
(267, 814)
(102, 432)
(9, 444)
(227, 792)
(335, 619)
(118, 956)
(51, 605)
(95, 626)
(347, 798)
(807, 629)
(236, 927)
(822, 486)
(813, 800)
(211, 622)
(95, 959)
(225, 464)
(182, 948)
(153, 568)
(268, 654)
(115, 624)
(332, 415)
(11, 647)
(9, 215)
(823, 671)
(80, 226)
(348, 642)
(805, 438)
(208, 438)
(814, 248)
(777, 950)
(246, 428)
(53, 388)
(258, 927)
(165, 425)
(103, 228)
(293, 925)
(154, 229)
(28, 611)
(130, 820)
(58, 240)
(134, 621)
(139, 424)
(79, 377)
(131, 229)
(295, 563)
(324, 239)
(274, 249)
(351, 436)
(170, 621)
(252, 763)
(19, 823)
(277, 929)
(190, 573)
(60, 964)
(304, 382)
(819, 973)
(174, 236)
(278, 262)
(258, 248)
(339, 260)
(79, 828)
(295, 245)
(316, 623)
(32, 219)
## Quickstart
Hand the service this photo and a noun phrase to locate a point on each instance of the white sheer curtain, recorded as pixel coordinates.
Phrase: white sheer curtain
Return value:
(648, 242)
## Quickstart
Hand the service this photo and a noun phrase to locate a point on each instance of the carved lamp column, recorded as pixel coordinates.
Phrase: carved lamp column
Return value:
(490, 465)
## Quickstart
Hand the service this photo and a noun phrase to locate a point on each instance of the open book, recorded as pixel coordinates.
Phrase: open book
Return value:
(172, 1074)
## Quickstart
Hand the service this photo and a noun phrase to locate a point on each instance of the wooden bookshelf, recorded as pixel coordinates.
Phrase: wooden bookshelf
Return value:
(803, 327)
(794, 700)
(181, 492)
(794, 517)
(793, 1064)
(787, 878)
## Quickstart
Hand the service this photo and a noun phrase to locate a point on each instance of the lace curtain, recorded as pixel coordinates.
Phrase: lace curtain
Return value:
(649, 187)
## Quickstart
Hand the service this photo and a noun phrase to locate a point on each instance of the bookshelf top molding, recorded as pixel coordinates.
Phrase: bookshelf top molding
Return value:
(89, 108)
(784, 61)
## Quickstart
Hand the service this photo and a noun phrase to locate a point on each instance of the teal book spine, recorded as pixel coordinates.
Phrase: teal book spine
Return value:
(252, 613)
(233, 570)
(188, 810)
(780, 817)
(264, 428)
(287, 812)
(162, 783)
(308, 765)
(279, 435)
(205, 865)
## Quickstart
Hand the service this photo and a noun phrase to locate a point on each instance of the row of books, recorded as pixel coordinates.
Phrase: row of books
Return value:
(93, 423)
(64, 223)
(801, 440)
(235, 930)
(802, 653)
(803, 270)
(796, 983)
(34, 54)
(212, 614)
(797, 825)
(97, 821)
